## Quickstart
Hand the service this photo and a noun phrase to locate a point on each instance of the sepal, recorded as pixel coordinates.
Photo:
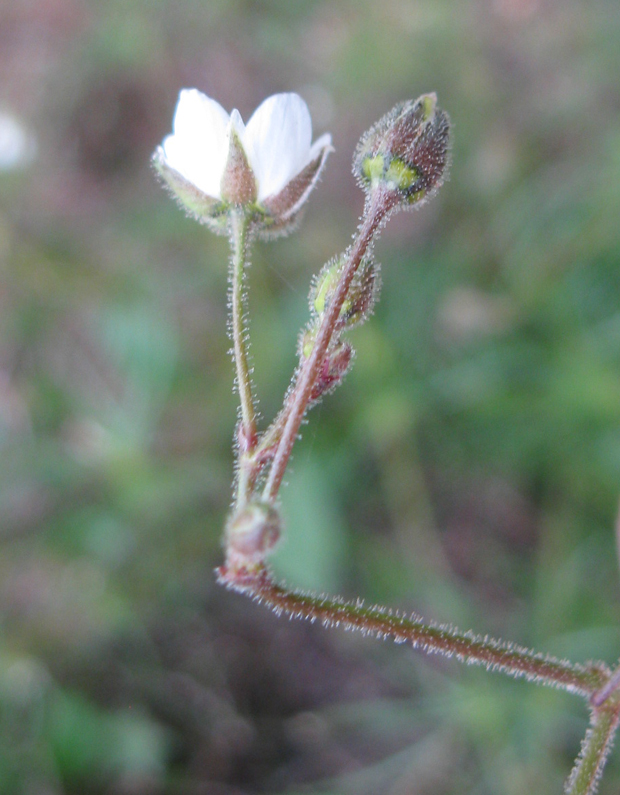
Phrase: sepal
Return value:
(206, 209)
(283, 209)
(238, 185)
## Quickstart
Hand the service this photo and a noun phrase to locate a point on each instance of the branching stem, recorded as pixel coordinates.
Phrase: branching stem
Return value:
(297, 404)
(610, 687)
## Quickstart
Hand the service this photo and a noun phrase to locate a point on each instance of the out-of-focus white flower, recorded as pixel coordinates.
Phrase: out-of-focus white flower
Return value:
(213, 159)
(17, 146)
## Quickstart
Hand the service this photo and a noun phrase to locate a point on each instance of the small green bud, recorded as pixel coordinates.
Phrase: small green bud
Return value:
(306, 343)
(406, 151)
(325, 286)
(333, 369)
(360, 298)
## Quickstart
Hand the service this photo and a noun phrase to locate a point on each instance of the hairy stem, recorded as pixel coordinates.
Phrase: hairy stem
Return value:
(430, 638)
(297, 404)
(610, 687)
(247, 428)
(594, 751)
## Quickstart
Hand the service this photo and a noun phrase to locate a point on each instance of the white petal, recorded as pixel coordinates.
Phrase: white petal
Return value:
(277, 140)
(198, 147)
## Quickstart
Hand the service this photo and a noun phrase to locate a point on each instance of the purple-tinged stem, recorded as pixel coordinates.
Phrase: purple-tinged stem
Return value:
(297, 405)
(430, 638)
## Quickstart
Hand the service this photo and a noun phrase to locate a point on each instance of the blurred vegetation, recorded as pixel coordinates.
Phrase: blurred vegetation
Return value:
(468, 469)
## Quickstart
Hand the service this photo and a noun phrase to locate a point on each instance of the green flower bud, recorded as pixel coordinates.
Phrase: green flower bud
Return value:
(306, 343)
(360, 298)
(406, 151)
(325, 286)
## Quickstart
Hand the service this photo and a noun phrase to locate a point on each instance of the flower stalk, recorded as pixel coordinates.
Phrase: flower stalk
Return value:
(377, 210)
(246, 432)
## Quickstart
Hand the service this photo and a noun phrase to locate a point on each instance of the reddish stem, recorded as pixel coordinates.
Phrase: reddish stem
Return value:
(297, 405)
(430, 638)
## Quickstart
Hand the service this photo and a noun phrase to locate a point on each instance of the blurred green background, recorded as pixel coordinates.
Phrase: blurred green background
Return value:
(468, 469)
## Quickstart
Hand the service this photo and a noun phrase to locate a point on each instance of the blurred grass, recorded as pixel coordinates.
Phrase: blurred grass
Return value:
(468, 469)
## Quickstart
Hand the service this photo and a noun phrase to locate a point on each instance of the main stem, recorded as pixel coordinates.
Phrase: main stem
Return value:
(247, 427)
(594, 751)
(297, 403)
(448, 641)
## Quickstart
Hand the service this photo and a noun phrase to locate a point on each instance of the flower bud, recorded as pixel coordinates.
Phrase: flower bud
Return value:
(325, 286)
(361, 295)
(406, 151)
(306, 343)
(251, 534)
(334, 366)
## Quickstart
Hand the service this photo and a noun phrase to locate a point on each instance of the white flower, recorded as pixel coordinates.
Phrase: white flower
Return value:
(18, 147)
(270, 162)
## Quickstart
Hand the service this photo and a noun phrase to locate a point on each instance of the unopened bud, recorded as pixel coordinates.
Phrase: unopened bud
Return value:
(406, 151)
(333, 367)
(306, 343)
(361, 295)
(251, 534)
(325, 286)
